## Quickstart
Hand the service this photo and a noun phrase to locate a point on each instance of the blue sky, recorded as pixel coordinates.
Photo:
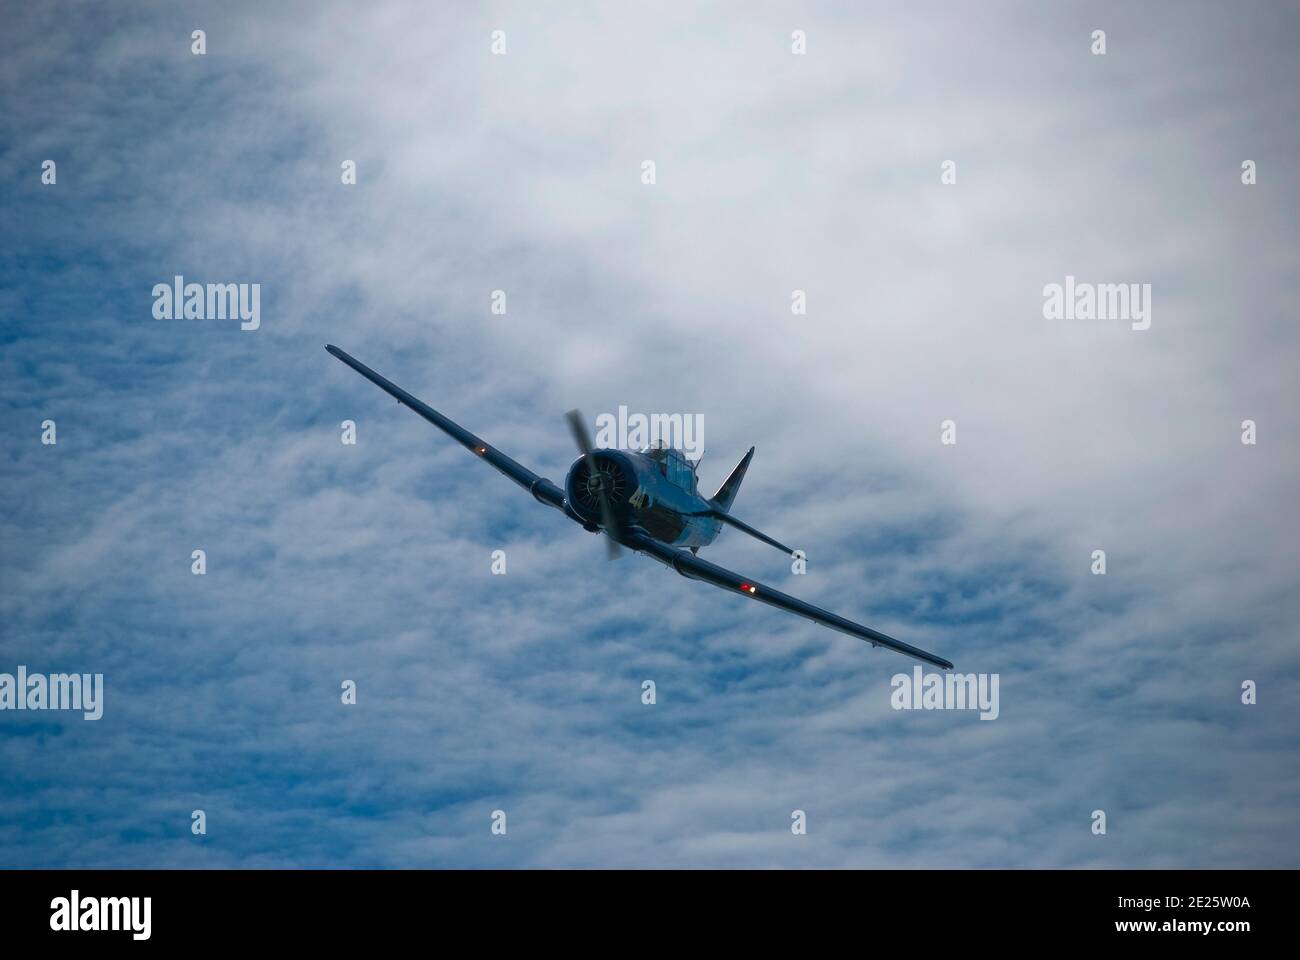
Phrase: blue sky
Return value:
(371, 563)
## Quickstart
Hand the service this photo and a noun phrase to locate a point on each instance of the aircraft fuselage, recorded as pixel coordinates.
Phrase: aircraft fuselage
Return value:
(656, 495)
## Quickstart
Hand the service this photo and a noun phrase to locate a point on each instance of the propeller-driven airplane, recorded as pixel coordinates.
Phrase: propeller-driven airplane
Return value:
(647, 502)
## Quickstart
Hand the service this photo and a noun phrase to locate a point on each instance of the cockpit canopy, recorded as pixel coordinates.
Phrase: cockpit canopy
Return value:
(672, 464)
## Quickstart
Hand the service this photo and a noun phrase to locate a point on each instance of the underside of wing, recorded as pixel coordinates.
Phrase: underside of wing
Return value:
(694, 568)
(541, 488)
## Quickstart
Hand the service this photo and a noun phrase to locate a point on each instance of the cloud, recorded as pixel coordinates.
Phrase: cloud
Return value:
(475, 173)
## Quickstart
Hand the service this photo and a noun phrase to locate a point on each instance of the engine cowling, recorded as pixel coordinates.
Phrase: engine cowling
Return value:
(582, 487)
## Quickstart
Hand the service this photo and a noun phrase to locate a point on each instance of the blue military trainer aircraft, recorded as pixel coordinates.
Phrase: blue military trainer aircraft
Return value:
(646, 501)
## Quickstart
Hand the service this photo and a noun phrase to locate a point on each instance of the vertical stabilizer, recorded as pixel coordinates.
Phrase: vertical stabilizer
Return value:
(726, 494)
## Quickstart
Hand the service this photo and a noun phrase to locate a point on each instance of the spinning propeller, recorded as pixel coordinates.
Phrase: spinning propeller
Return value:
(598, 483)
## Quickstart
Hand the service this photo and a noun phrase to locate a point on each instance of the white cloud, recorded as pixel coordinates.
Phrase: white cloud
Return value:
(775, 173)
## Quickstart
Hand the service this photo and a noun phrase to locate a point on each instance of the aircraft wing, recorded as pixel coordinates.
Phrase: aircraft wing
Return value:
(541, 488)
(693, 567)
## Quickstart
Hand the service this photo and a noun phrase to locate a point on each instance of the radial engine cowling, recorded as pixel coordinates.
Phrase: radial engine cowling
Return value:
(612, 474)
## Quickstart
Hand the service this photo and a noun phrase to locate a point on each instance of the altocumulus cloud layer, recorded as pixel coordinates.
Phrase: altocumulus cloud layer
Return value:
(774, 173)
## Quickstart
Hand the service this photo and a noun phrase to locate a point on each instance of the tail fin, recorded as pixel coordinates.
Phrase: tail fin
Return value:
(726, 494)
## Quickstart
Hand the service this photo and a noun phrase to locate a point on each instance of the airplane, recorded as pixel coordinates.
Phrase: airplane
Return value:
(646, 501)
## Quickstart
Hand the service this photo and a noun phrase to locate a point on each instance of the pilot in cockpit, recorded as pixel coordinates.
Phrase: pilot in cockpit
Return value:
(672, 464)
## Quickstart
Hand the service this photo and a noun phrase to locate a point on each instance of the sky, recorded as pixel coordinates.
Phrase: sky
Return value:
(774, 172)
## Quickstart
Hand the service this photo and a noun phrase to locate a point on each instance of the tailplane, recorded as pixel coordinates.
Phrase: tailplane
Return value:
(726, 495)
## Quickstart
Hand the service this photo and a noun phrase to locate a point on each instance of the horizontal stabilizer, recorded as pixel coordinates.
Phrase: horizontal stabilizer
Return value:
(731, 521)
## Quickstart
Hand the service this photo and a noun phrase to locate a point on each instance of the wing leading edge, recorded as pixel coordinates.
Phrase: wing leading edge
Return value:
(541, 488)
(694, 568)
